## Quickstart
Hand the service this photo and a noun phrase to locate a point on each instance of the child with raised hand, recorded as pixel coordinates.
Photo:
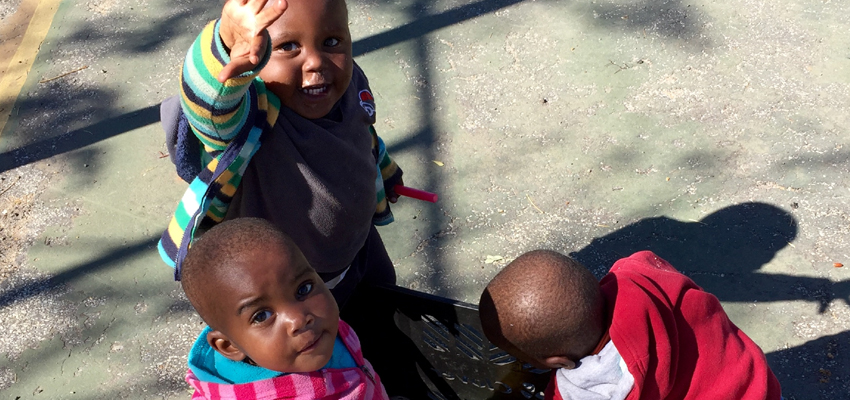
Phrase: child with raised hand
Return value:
(274, 329)
(644, 332)
(275, 121)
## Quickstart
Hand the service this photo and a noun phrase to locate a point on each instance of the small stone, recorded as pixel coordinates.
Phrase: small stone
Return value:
(492, 259)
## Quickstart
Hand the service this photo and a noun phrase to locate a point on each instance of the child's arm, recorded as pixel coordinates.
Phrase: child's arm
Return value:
(218, 93)
(391, 173)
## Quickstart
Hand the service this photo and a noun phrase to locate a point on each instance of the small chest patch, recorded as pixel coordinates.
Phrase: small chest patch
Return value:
(367, 102)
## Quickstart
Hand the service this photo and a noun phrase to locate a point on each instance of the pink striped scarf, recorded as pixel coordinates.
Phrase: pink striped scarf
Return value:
(360, 383)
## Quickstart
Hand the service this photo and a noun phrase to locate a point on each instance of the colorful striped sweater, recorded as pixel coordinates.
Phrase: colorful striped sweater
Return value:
(229, 121)
(357, 383)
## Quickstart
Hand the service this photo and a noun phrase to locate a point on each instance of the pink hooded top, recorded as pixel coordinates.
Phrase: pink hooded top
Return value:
(358, 383)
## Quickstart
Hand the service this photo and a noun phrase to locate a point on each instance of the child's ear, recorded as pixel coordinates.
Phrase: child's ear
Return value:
(556, 362)
(222, 344)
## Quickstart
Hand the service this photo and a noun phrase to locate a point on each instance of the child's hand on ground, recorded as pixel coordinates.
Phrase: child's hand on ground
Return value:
(243, 31)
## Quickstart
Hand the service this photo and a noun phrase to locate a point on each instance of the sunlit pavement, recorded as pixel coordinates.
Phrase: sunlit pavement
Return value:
(714, 133)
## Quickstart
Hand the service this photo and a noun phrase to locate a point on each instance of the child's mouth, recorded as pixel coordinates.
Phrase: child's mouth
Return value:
(315, 90)
(312, 345)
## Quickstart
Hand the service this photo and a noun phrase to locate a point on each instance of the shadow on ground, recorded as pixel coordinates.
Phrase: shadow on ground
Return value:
(723, 253)
(818, 369)
(79, 138)
(112, 259)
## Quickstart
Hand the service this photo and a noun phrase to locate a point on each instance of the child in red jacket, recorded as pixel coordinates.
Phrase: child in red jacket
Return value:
(644, 332)
(274, 329)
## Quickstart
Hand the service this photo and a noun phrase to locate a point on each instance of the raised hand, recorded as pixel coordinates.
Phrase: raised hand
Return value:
(243, 31)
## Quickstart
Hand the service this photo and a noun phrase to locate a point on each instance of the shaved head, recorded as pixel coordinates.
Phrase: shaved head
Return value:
(543, 304)
(218, 254)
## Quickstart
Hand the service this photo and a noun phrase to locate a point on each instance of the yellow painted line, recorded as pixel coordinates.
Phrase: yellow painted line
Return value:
(21, 63)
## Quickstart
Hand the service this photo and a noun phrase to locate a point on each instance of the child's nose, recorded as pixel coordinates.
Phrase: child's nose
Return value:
(313, 61)
(298, 320)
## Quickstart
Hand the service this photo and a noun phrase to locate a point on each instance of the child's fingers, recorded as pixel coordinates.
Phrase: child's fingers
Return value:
(226, 73)
(244, 24)
(234, 68)
(271, 13)
(258, 47)
(256, 5)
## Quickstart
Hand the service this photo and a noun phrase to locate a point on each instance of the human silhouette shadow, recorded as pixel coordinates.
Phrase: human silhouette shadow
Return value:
(723, 253)
(818, 369)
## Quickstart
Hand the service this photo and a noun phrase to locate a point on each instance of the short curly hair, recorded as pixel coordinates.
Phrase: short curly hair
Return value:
(220, 249)
(544, 304)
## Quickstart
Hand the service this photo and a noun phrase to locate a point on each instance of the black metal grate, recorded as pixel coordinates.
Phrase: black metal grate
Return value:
(428, 347)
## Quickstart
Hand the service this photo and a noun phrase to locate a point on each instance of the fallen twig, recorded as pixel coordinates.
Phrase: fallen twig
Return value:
(10, 186)
(620, 68)
(65, 74)
(532, 203)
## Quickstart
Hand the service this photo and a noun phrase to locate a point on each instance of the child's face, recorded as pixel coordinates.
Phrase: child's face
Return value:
(278, 312)
(310, 66)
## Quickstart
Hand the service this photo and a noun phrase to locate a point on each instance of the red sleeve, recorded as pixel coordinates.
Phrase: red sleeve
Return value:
(552, 392)
(676, 339)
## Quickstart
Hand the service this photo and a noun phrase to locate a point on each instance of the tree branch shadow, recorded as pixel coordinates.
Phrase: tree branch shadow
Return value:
(111, 259)
(79, 138)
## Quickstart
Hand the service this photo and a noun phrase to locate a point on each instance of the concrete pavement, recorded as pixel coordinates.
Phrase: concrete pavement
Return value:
(714, 133)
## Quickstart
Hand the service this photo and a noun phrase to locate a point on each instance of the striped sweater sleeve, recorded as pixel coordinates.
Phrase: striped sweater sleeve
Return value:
(228, 119)
(219, 112)
(389, 175)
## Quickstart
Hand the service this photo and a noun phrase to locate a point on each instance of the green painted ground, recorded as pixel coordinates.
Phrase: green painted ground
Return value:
(715, 133)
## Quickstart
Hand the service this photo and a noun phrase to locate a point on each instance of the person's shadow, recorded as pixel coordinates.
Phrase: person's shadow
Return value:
(723, 253)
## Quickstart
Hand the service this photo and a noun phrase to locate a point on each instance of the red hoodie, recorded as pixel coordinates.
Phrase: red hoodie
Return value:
(675, 338)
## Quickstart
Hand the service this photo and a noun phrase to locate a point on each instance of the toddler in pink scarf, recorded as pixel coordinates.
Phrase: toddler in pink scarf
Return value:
(274, 329)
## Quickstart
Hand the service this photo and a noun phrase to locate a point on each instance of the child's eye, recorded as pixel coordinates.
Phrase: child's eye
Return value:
(332, 42)
(260, 316)
(288, 46)
(305, 289)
